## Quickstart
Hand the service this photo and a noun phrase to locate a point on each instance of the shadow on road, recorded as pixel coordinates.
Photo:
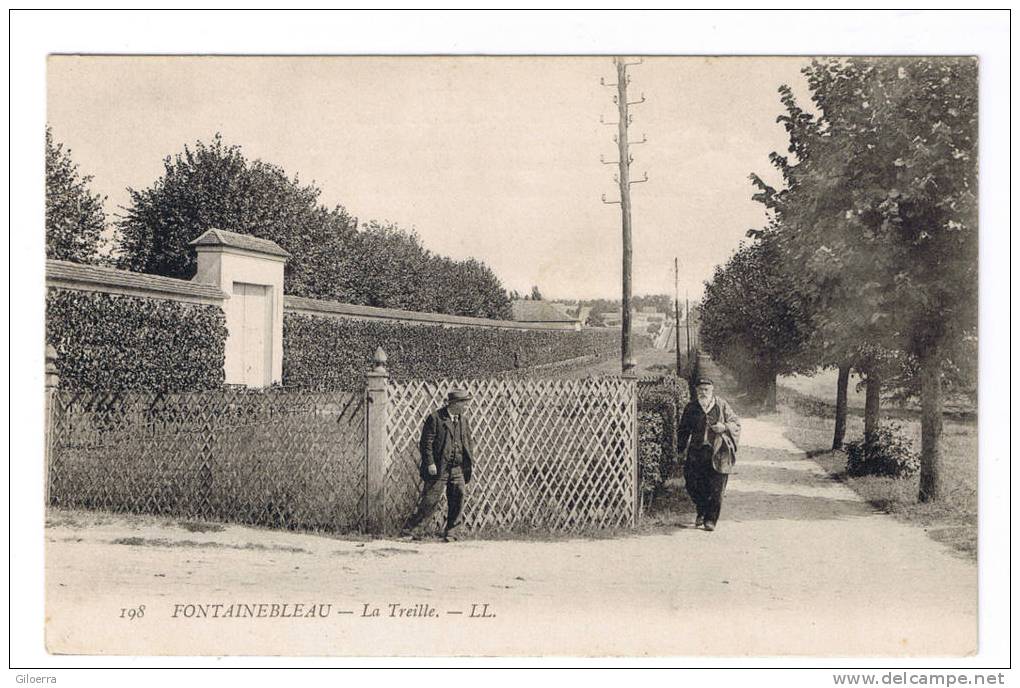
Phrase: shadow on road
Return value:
(761, 505)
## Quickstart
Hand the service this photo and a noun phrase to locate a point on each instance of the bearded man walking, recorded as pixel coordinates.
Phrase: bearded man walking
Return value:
(709, 431)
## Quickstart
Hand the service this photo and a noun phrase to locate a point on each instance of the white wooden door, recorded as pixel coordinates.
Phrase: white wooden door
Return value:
(255, 309)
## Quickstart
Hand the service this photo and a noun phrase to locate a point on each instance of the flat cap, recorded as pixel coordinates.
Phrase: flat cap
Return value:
(458, 394)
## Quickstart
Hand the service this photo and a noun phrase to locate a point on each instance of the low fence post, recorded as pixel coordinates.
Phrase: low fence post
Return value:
(377, 397)
(52, 381)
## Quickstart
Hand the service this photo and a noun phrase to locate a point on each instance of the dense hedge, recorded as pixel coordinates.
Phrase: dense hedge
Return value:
(660, 405)
(115, 342)
(335, 353)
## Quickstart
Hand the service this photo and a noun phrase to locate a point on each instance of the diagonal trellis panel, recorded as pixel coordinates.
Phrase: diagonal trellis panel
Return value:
(282, 458)
(551, 454)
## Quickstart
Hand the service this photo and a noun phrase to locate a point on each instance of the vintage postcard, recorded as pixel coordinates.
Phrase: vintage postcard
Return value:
(590, 356)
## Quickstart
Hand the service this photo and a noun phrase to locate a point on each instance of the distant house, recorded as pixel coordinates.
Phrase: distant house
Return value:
(640, 320)
(612, 319)
(531, 311)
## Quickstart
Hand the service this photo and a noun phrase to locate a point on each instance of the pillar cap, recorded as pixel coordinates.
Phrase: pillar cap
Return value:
(246, 242)
(379, 360)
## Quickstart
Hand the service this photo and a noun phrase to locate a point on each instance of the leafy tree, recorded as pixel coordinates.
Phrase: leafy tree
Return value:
(536, 295)
(393, 269)
(380, 264)
(74, 215)
(398, 272)
(477, 291)
(214, 185)
(842, 335)
(753, 320)
(921, 206)
(880, 210)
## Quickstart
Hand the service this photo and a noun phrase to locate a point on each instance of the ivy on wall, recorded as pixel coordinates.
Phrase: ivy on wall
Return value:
(335, 353)
(116, 342)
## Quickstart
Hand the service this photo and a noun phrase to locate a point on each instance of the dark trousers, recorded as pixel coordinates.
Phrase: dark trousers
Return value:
(705, 485)
(452, 482)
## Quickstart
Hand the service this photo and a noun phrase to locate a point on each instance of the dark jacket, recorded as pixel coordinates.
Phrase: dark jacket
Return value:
(437, 430)
(693, 426)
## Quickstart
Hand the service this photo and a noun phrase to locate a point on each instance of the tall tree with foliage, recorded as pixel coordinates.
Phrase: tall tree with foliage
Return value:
(397, 271)
(75, 218)
(881, 212)
(477, 291)
(807, 218)
(918, 207)
(753, 320)
(214, 185)
(379, 264)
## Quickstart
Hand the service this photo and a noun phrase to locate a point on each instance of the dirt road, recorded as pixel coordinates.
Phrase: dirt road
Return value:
(799, 565)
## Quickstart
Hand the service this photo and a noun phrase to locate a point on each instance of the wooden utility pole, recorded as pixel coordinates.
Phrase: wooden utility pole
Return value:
(692, 353)
(687, 326)
(676, 312)
(623, 179)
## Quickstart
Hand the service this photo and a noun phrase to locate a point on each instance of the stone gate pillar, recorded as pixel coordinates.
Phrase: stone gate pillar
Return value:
(377, 444)
(249, 271)
(52, 382)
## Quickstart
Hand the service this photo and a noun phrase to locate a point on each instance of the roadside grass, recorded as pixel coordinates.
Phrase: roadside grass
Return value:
(164, 542)
(79, 519)
(670, 509)
(952, 522)
(822, 385)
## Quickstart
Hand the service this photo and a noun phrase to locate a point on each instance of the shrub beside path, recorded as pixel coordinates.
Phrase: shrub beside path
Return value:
(799, 565)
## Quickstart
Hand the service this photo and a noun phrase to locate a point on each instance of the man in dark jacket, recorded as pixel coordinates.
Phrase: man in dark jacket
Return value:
(447, 451)
(713, 430)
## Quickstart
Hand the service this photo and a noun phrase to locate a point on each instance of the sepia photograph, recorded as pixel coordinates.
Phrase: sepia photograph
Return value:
(621, 354)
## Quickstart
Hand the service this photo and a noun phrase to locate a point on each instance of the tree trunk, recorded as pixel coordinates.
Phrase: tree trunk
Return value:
(841, 391)
(769, 402)
(932, 487)
(872, 389)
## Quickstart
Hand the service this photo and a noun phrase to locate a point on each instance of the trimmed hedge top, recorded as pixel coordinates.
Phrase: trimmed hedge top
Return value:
(116, 342)
(335, 353)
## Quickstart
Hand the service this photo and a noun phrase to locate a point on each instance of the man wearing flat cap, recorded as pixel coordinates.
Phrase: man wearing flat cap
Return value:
(446, 453)
(710, 431)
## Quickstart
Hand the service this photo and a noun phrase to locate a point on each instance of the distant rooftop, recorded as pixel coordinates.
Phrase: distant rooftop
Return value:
(525, 310)
(221, 237)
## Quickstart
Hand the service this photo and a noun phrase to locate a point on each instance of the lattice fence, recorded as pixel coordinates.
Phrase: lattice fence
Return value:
(281, 458)
(556, 455)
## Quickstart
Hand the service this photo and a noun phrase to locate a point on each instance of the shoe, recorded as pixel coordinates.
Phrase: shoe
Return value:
(450, 537)
(709, 525)
(699, 521)
(409, 536)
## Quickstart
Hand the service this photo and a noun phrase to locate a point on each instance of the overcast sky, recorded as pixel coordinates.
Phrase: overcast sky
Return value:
(495, 158)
